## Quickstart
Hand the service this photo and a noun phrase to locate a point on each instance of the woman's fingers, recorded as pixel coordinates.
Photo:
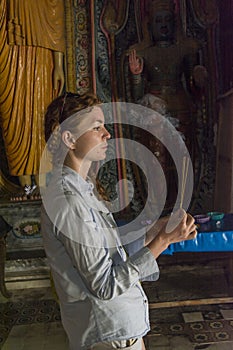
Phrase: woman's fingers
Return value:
(192, 235)
(191, 227)
(190, 220)
(181, 226)
(176, 221)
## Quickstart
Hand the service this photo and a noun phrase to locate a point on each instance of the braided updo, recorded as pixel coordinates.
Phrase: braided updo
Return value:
(61, 109)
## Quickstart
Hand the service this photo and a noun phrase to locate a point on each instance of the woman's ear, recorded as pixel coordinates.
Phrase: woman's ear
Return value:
(68, 139)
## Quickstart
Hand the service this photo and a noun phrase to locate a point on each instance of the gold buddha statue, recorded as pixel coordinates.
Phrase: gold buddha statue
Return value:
(32, 42)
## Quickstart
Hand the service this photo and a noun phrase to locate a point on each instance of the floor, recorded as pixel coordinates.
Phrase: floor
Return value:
(30, 318)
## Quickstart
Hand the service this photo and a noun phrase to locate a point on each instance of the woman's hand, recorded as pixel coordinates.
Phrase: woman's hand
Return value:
(135, 63)
(180, 227)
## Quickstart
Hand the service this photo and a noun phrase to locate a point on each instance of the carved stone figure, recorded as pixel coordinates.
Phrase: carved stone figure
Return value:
(167, 66)
(165, 75)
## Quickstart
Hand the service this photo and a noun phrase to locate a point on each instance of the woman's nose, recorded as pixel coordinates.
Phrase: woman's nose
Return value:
(106, 134)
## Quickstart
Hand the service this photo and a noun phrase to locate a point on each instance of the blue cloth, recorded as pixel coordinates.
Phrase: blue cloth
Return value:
(211, 237)
(98, 284)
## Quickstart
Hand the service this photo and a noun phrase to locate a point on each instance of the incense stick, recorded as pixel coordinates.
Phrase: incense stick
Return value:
(185, 166)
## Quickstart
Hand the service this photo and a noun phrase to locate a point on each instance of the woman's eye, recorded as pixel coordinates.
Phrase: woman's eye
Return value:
(97, 128)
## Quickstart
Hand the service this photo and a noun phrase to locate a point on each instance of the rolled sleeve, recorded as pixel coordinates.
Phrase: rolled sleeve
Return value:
(146, 264)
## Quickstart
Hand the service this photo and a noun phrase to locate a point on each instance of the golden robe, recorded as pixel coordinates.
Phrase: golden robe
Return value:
(30, 31)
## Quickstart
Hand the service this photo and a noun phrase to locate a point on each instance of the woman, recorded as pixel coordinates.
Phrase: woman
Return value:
(103, 305)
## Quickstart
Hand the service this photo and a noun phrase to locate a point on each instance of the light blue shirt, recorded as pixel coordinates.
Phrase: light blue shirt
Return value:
(98, 284)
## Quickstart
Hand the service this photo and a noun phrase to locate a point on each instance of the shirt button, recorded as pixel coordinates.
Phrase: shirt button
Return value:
(145, 301)
(91, 194)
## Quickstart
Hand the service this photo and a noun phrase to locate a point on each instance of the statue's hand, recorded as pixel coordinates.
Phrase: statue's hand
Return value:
(135, 63)
(200, 76)
(58, 73)
(58, 81)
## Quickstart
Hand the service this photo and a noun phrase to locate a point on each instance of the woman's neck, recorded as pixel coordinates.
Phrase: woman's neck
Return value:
(80, 166)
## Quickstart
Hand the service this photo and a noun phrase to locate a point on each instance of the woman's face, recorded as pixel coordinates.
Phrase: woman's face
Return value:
(92, 145)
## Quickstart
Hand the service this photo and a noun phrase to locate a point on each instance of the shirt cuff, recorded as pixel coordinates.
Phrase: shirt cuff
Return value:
(146, 263)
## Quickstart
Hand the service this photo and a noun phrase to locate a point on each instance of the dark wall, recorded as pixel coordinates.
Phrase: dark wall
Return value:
(225, 45)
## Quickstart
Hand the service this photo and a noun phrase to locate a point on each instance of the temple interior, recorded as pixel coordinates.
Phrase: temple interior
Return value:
(163, 71)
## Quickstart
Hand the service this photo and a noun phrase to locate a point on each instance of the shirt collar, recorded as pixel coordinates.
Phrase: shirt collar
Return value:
(73, 181)
(76, 181)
